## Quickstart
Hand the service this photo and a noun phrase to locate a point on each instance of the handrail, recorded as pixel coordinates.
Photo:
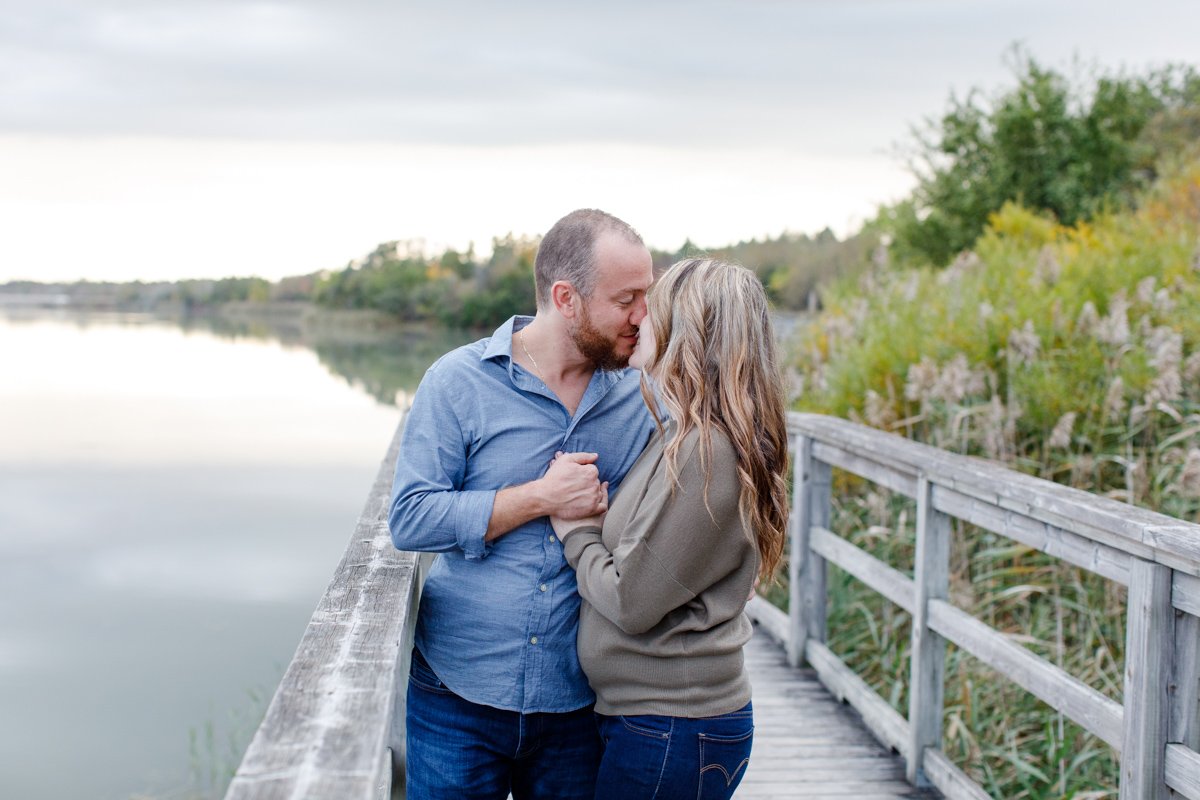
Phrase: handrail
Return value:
(1156, 730)
(335, 727)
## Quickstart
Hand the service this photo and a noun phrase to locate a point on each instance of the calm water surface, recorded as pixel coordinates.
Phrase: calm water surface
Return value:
(173, 500)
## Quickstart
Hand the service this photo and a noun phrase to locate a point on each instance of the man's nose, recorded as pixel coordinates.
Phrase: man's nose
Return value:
(639, 311)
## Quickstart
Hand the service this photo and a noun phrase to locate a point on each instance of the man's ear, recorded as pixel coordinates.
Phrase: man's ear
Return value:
(564, 297)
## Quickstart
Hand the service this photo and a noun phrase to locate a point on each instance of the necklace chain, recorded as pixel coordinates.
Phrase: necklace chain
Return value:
(536, 368)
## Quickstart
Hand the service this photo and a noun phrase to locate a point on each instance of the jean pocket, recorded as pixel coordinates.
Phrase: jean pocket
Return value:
(723, 760)
(422, 675)
(650, 725)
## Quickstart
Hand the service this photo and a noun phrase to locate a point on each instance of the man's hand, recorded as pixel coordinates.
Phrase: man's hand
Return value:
(570, 489)
(573, 488)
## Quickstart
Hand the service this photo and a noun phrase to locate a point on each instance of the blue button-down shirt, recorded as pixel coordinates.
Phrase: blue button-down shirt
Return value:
(498, 619)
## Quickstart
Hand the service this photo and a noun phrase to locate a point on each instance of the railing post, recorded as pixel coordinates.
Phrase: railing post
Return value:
(397, 738)
(811, 499)
(1184, 691)
(1185, 682)
(927, 670)
(1149, 653)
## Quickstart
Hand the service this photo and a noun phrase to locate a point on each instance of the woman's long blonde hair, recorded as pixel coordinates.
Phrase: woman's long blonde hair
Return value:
(714, 367)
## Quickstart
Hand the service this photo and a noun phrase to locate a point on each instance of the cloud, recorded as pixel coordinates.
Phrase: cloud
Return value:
(822, 75)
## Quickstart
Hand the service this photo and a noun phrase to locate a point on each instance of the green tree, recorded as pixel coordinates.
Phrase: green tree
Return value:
(1047, 144)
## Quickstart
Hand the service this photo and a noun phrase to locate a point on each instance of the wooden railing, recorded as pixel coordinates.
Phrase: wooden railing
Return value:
(335, 728)
(1156, 730)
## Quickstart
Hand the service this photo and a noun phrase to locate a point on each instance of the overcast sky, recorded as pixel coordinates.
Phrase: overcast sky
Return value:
(165, 139)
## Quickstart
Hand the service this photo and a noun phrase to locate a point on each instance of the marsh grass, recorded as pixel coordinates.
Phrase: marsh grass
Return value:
(1007, 740)
(1072, 354)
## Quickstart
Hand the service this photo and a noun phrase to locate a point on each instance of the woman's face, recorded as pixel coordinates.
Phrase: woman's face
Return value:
(643, 352)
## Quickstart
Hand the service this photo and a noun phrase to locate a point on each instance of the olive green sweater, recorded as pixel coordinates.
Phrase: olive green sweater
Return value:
(664, 588)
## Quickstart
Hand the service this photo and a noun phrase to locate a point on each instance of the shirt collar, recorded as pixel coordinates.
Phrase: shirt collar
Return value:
(501, 342)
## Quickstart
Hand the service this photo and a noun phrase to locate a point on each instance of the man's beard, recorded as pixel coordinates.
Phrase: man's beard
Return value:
(595, 346)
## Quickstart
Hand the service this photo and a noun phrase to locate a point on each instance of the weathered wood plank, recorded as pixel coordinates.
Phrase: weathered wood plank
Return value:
(811, 507)
(883, 720)
(806, 743)
(931, 579)
(1185, 593)
(899, 478)
(1071, 547)
(770, 619)
(951, 781)
(1149, 643)
(1139, 532)
(1183, 770)
(1184, 727)
(329, 726)
(1055, 687)
(891, 583)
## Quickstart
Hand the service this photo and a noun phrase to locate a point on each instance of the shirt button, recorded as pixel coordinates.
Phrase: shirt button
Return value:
(543, 587)
(533, 640)
(552, 538)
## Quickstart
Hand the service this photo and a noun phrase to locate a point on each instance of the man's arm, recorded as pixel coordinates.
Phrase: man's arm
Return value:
(570, 489)
(430, 511)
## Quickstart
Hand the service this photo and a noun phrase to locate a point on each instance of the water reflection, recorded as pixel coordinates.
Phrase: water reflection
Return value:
(385, 361)
(174, 495)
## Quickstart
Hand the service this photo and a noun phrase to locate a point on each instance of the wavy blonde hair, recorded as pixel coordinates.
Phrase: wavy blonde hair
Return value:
(714, 368)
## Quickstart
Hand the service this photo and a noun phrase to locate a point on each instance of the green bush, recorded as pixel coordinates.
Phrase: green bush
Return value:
(1069, 352)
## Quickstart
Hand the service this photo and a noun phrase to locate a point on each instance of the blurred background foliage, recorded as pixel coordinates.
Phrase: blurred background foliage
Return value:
(1035, 302)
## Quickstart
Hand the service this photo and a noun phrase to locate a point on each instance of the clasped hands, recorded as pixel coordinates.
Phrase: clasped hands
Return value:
(579, 496)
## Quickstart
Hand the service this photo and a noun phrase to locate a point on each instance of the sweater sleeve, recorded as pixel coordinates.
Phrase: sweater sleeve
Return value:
(672, 547)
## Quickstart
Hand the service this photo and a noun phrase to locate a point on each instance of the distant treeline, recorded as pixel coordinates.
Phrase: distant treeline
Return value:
(182, 296)
(460, 289)
(1071, 147)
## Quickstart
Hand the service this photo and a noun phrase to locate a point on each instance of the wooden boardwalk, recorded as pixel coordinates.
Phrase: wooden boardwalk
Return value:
(335, 728)
(809, 745)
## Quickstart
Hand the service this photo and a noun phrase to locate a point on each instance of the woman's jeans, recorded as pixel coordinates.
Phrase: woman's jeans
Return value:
(651, 757)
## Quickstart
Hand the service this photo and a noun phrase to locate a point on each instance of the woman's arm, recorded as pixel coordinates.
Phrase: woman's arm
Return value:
(673, 547)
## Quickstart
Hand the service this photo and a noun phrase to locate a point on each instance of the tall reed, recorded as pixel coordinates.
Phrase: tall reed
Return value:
(1068, 353)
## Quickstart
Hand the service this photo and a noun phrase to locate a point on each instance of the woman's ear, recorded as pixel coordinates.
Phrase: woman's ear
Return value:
(564, 296)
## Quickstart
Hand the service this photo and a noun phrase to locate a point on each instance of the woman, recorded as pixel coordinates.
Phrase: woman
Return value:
(665, 575)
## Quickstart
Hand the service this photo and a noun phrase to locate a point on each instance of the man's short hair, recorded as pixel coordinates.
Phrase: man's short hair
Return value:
(568, 251)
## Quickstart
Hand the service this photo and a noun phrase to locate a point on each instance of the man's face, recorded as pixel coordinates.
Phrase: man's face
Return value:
(606, 329)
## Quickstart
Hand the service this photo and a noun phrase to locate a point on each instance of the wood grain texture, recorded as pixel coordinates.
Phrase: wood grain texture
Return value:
(330, 725)
(1055, 687)
(927, 669)
(1135, 531)
(1183, 771)
(1149, 643)
(811, 508)
(809, 745)
(1185, 593)
(891, 583)
(880, 718)
(1184, 726)
(951, 781)
(1074, 548)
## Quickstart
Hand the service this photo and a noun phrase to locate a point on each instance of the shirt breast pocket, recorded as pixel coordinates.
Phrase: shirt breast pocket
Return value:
(613, 450)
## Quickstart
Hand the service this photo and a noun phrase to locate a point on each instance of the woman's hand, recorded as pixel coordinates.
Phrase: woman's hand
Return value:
(564, 526)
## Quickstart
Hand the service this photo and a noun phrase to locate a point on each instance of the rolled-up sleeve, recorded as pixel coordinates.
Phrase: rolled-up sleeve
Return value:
(430, 511)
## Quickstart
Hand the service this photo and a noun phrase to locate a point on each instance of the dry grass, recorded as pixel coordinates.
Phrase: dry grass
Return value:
(1068, 353)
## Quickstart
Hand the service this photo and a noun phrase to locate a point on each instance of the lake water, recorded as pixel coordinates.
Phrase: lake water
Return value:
(173, 500)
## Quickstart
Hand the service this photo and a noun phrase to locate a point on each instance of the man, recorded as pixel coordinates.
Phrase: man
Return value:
(496, 700)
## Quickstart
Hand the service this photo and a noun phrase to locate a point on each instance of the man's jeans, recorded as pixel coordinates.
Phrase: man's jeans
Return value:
(651, 757)
(459, 750)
